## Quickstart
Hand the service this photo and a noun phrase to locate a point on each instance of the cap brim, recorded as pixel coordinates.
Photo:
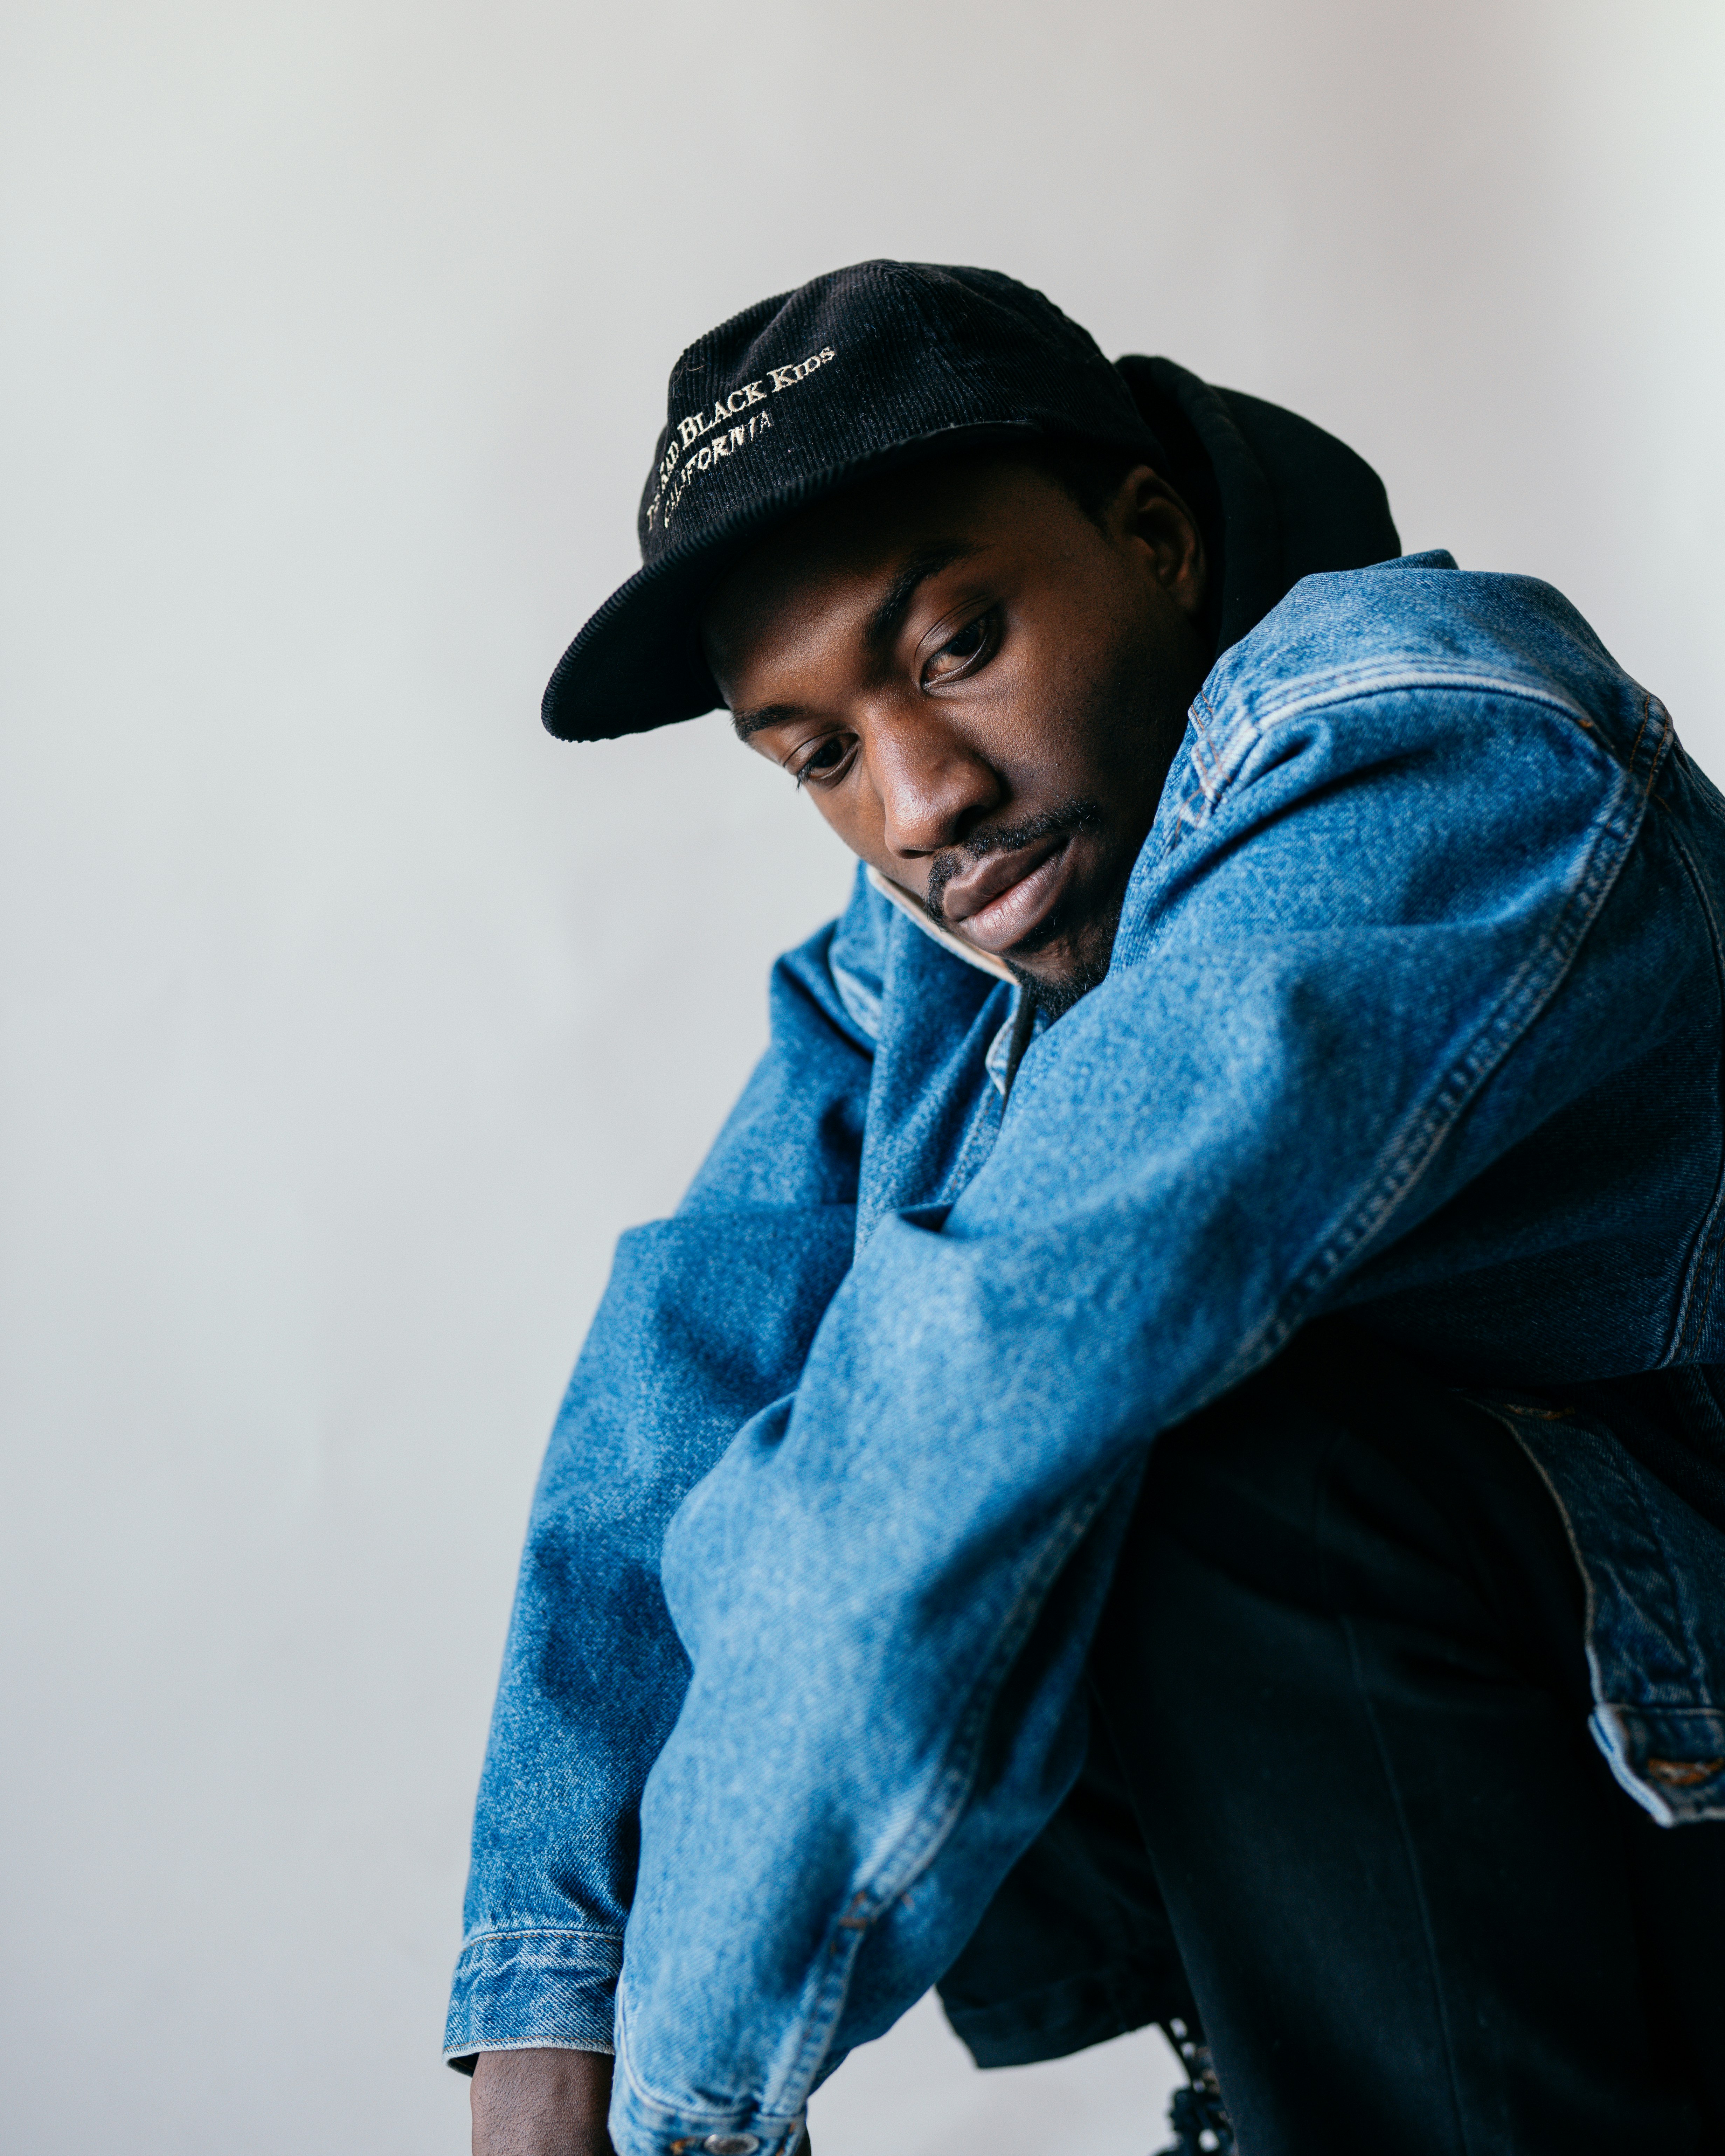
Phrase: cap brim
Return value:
(638, 663)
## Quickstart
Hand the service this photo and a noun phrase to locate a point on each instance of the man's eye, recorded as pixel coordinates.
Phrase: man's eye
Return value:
(958, 652)
(824, 759)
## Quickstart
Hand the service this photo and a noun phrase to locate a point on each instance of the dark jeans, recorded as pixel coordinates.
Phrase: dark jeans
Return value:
(1343, 1677)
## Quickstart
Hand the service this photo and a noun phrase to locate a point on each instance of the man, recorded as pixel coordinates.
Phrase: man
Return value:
(1169, 1465)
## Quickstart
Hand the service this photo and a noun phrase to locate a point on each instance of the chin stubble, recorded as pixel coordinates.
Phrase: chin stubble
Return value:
(1055, 998)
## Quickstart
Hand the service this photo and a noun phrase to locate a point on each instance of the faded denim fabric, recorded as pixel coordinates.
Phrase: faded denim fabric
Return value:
(1414, 1010)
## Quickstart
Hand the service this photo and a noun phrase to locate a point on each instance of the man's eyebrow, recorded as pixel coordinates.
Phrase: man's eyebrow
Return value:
(927, 560)
(883, 624)
(745, 723)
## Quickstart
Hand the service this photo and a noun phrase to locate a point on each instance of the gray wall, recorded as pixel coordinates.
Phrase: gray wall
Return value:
(348, 1017)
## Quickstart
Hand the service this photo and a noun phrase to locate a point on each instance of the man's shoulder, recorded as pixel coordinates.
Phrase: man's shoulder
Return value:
(1419, 623)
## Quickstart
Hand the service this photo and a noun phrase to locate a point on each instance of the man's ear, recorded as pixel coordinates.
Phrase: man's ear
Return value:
(1151, 512)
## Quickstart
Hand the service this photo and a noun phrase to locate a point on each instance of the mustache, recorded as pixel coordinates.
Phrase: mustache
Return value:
(1079, 814)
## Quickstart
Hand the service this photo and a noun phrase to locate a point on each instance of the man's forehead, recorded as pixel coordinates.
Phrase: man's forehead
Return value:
(867, 534)
(857, 600)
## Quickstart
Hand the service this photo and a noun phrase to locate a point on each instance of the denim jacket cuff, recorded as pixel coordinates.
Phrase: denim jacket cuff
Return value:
(534, 1987)
(1671, 1760)
(640, 2127)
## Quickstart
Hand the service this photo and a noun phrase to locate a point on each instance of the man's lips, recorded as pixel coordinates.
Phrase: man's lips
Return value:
(1000, 900)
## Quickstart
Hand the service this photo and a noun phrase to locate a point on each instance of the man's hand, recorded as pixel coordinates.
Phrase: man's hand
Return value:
(541, 2103)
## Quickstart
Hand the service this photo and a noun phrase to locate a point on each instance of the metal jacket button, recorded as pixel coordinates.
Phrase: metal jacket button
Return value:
(732, 2145)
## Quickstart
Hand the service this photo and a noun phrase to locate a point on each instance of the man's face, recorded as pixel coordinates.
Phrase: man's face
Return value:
(982, 686)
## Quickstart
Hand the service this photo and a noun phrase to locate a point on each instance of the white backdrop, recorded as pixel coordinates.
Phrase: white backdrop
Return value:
(348, 1017)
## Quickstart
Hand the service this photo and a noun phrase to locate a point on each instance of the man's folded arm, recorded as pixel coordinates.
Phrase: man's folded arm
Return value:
(707, 1316)
(887, 1587)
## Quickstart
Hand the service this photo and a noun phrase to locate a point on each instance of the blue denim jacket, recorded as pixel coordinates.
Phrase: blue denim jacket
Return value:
(1414, 1009)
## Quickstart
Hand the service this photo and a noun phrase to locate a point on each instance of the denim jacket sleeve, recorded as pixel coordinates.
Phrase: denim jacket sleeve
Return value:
(1369, 946)
(706, 1318)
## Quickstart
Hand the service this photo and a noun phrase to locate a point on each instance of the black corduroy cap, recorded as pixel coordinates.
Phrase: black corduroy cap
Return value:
(878, 365)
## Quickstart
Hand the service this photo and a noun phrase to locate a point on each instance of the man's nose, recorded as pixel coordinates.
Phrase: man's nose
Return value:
(934, 785)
